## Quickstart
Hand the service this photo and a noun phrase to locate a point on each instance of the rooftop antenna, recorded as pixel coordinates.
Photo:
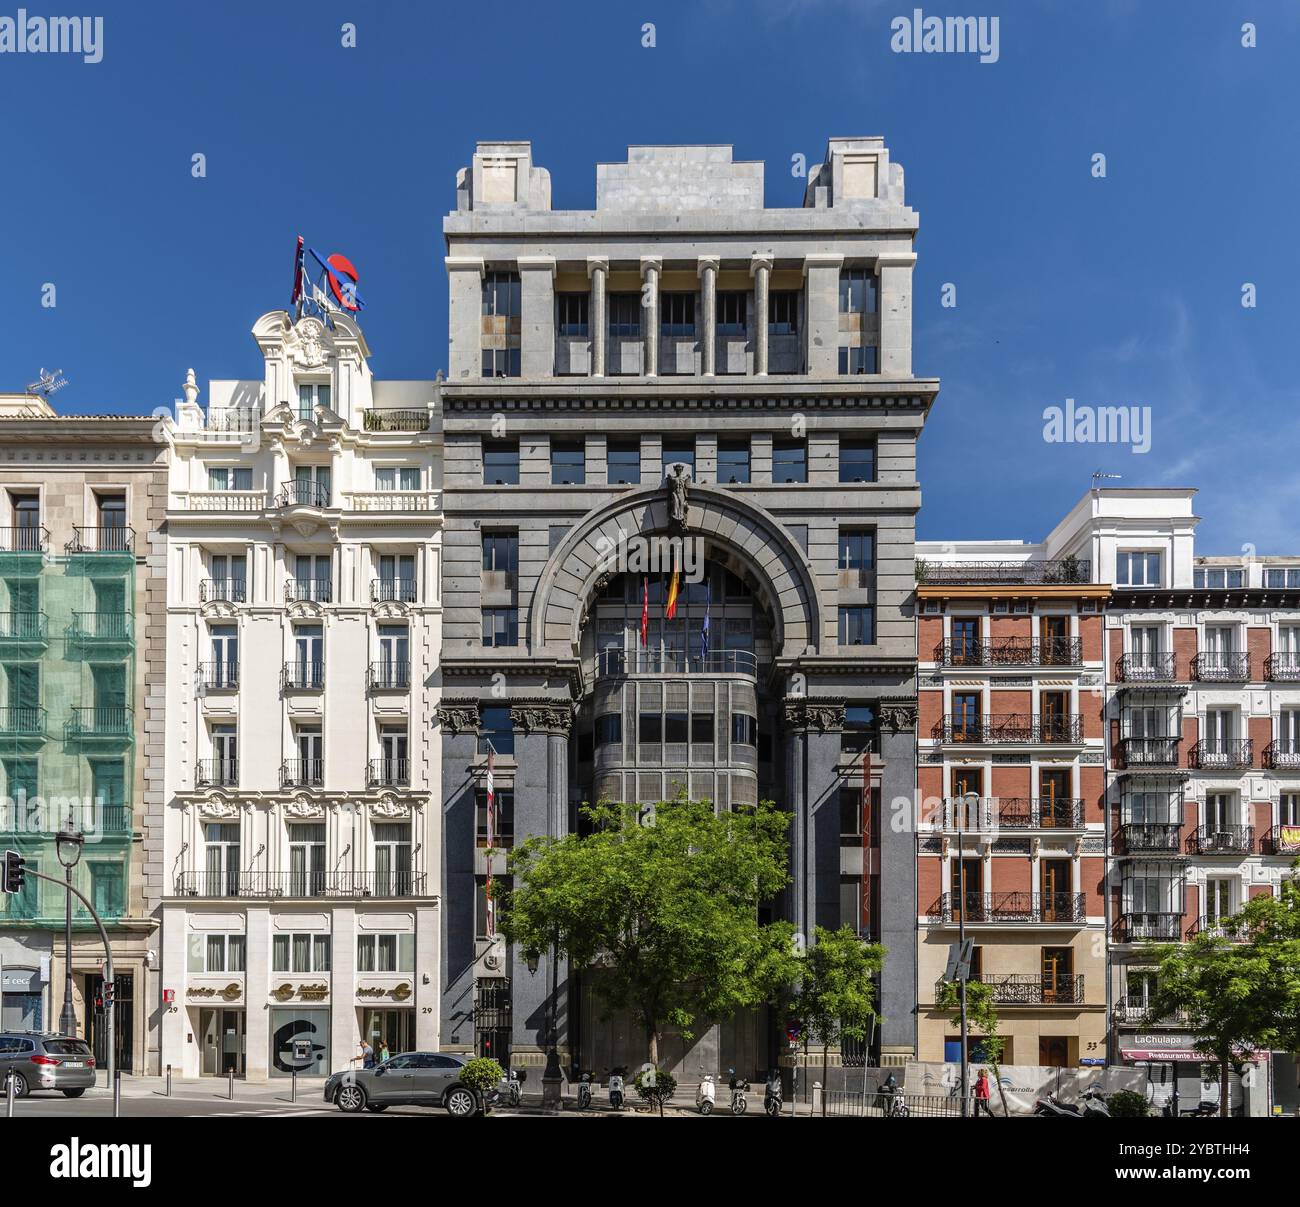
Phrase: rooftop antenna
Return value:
(48, 383)
(1099, 476)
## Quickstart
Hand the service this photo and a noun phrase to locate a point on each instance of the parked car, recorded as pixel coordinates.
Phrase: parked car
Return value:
(39, 1060)
(408, 1079)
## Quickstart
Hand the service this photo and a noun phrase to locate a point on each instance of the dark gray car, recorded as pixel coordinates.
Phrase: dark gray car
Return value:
(39, 1060)
(408, 1079)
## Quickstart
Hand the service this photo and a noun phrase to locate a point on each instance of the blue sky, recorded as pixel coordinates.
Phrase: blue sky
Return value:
(1117, 291)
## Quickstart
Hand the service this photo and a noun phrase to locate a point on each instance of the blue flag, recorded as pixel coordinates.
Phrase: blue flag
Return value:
(704, 627)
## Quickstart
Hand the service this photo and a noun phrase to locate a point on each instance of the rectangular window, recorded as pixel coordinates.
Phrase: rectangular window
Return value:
(568, 462)
(858, 553)
(500, 626)
(649, 728)
(733, 461)
(857, 461)
(609, 729)
(503, 819)
(676, 727)
(500, 462)
(571, 316)
(501, 294)
(310, 396)
(501, 362)
(223, 953)
(623, 462)
(230, 477)
(300, 953)
(789, 461)
(1217, 579)
(397, 477)
(677, 314)
(679, 452)
(861, 730)
(625, 315)
(1137, 570)
(702, 728)
(858, 360)
(501, 552)
(783, 312)
(1285, 577)
(386, 952)
(744, 729)
(495, 727)
(730, 310)
(857, 626)
(858, 291)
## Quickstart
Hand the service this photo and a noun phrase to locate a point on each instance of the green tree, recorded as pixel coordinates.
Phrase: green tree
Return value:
(982, 1014)
(663, 907)
(836, 994)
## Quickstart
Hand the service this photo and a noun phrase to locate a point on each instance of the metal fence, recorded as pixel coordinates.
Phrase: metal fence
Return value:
(854, 1104)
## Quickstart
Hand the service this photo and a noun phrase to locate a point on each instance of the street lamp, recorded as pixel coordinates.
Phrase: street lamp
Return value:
(552, 1077)
(68, 844)
(969, 800)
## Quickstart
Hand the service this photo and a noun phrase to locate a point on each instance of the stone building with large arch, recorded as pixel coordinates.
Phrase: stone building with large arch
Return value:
(682, 376)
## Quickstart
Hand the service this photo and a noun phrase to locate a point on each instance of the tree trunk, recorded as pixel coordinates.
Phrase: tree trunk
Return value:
(1002, 1094)
(1223, 1089)
(825, 1073)
(652, 1045)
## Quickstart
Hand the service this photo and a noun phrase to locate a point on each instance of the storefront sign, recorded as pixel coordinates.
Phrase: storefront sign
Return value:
(1169, 1046)
(399, 993)
(231, 993)
(309, 993)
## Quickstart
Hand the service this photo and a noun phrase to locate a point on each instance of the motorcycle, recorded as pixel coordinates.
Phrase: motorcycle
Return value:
(584, 1092)
(1094, 1103)
(514, 1086)
(616, 1090)
(706, 1094)
(738, 1086)
(1052, 1108)
(893, 1104)
(772, 1094)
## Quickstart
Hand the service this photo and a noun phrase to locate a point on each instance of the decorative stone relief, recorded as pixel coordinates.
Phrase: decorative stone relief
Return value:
(218, 806)
(390, 807)
(458, 718)
(825, 716)
(900, 716)
(542, 718)
(304, 808)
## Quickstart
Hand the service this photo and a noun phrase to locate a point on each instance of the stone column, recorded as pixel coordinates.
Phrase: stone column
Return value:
(822, 314)
(896, 927)
(760, 268)
(895, 280)
(812, 747)
(650, 269)
(707, 268)
(458, 722)
(598, 271)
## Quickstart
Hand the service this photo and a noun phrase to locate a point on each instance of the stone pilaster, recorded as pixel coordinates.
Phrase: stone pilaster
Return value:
(707, 268)
(760, 268)
(651, 266)
(598, 271)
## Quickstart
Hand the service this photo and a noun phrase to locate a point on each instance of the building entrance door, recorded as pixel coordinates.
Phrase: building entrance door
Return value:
(123, 1023)
(222, 1032)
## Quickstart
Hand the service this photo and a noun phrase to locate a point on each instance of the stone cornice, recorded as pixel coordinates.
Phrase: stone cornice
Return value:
(825, 715)
(756, 394)
(542, 717)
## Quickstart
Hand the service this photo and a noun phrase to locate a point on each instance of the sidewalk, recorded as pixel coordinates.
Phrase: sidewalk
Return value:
(281, 1088)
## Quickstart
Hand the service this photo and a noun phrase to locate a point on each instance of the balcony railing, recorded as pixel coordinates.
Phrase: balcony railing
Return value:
(1282, 755)
(1011, 651)
(1282, 667)
(1059, 570)
(1148, 668)
(392, 500)
(1011, 908)
(1223, 928)
(1157, 927)
(101, 626)
(1222, 840)
(231, 590)
(24, 538)
(225, 500)
(113, 539)
(234, 883)
(101, 721)
(1136, 1009)
(1282, 840)
(234, 419)
(395, 421)
(1221, 668)
(22, 626)
(390, 590)
(219, 676)
(309, 590)
(22, 721)
(302, 676)
(216, 773)
(388, 773)
(1014, 813)
(388, 676)
(1028, 989)
(1223, 754)
(1152, 838)
(1149, 752)
(302, 773)
(615, 663)
(302, 492)
(1038, 728)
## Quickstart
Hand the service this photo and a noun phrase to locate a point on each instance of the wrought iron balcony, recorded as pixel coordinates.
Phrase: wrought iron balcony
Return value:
(22, 721)
(1029, 989)
(108, 628)
(387, 590)
(309, 590)
(236, 883)
(1011, 651)
(1222, 840)
(1156, 927)
(24, 538)
(388, 676)
(108, 722)
(1011, 909)
(1136, 1010)
(1221, 668)
(1014, 813)
(219, 676)
(230, 590)
(303, 492)
(1282, 667)
(1058, 570)
(18, 628)
(1282, 755)
(388, 773)
(616, 663)
(1223, 928)
(302, 676)
(112, 539)
(1035, 728)
(302, 773)
(1148, 668)
(1152, 838)
(1223, 754)
(395, 421)
(216, 773)
(1282, 840)
(1149, 752)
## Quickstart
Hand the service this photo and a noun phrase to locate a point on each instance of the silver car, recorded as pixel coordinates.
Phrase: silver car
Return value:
(408, 1079)
(38, 1060)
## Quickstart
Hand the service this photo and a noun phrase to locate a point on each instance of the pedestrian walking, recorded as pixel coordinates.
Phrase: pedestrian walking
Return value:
(367, 1055)
(383, 1051)
(982, 1095)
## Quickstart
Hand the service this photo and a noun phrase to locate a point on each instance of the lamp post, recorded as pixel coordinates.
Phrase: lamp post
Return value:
(552, 1077)
(969, 800)
(68, 844)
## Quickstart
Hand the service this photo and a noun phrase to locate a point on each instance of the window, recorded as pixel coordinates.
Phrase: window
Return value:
(677, 314)
(858, 360)
(1217, 579)
(503, 819)
(501, 362)
(857, 626)
(744, 729)
(310, 396)
(649, 728)
(495, 727)
(609, 729)
(730, 310)
(625, 314)
(789, 461)
(229, 477)
(571, 316)
(568, 463)
(1286, 577)
(501, 462)
(306, 858)
(394, 747)
(733, 461)
(783, 312)
(221, 855)
(858, 291)
(307, 670)
(397, 477)
(223, 953)
(107, 887)
(500, 626)
(300, 953)
(857, 556)
(702, 728)
(229, 576)
(861, 730)
(623, 461)
(501, 553)
(857, 461)
(392, 858)
(965, 716)
(679, 451)
(676, 727)
(397, 577)
(386, 953)
(312, 577)
(501, 294)
(1137, 570)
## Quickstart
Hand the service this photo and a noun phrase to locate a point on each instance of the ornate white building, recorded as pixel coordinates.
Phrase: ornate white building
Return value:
(302, 837)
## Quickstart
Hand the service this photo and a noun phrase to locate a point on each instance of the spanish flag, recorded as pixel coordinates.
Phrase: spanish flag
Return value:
(670, 612)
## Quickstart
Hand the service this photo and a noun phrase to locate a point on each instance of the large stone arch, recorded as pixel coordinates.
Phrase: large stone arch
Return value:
(779, 567)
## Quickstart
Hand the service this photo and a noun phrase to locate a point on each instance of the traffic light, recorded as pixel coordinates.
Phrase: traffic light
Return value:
(13, 872)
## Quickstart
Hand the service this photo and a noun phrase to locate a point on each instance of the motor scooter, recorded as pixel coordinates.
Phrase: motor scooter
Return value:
(738, 1086)
(616, 1089)
(772, 1094)
(1094, 1103)
(706, 1095)
(584, 1091)
(1052, 1108)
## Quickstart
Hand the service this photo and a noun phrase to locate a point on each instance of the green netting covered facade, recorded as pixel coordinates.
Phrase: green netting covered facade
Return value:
(67, 725)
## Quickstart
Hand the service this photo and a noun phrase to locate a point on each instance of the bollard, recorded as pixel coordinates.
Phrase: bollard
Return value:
(117, 1093)
(818, 1099)
(9, 1095)
(293, 1093)
(231, 1085)
(169, 1081)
